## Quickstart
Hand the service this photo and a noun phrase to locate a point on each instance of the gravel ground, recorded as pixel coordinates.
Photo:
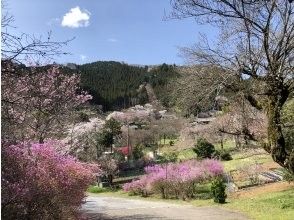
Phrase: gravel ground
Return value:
(107, 208)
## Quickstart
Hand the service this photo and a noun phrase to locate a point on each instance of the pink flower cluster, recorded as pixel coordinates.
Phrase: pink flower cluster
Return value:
(175, 179)
(38, 182)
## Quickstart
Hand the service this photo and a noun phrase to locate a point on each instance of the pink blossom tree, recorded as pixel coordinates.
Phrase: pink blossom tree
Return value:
(36, 104)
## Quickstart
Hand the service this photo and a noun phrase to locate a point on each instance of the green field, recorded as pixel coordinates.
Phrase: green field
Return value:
(240, 160)
(274, 206)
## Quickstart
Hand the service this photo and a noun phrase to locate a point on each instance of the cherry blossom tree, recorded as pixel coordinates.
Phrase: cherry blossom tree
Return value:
(37, 104)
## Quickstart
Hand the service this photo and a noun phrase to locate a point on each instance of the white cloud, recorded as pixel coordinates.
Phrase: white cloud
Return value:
(83, 57)
(76, 18)
(113, 40)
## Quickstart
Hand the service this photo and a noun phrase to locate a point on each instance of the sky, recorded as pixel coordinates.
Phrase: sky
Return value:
(131, 31)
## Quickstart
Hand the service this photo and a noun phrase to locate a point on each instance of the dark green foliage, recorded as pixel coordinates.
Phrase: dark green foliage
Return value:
(138, 152)
(113, 126)
(112, 84)
(104, 140)
(218, 190)
(118, 156)
(222, 155)
(288, 176)
(159, 78)
(288, 131)
(111, 129)
(115, 85)
(289, 138)
(142, 96)
(225, 156)
(204, 149)
(168, 157)
(83, 117)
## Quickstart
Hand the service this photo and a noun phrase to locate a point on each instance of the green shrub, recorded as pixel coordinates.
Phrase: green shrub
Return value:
(222, 155)
(138, 152)
(218, 190)
(97, 189)
(171, 143)
(204, 149)
(169, 157)
(225, 156)
(119, 156)
(83, 117)
(288, 176)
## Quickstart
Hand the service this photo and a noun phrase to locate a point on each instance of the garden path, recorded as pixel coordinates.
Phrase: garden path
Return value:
(108, 208)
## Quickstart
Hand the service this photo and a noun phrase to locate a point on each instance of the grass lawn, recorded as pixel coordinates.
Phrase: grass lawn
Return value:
(167, 141)
(240, 160)
(187, 154)
(274, 205)
(228, 145)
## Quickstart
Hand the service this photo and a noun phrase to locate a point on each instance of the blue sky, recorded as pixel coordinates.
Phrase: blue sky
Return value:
(132, 31)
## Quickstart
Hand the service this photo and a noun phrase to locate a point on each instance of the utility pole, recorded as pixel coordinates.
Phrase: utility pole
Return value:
(128, 140)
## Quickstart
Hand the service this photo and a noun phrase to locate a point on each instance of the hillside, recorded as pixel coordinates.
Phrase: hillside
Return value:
(115, 85)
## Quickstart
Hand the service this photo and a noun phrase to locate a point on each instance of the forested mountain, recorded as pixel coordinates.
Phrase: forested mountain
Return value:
(115, 85)
(161, 78)
(112, 84)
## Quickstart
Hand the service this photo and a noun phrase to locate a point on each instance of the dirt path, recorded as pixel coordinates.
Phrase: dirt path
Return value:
(263, 189)
(106, 208)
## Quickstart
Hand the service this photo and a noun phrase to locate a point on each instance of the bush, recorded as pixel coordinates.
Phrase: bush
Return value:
(109, 167)
(222, 155)
(138, 152)
(288, 176)
(118, 156)
(225, 156)
(204, 149)
(218, 190)
(138, 187)
(44, 183)
(169, 157)
(175, 180)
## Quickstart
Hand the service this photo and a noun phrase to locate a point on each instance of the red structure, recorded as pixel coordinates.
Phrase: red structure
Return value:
(124, 150)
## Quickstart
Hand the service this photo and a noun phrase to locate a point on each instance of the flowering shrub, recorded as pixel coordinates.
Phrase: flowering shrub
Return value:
(109, 167)
(138, 187)
(175, 180)
(39, 183)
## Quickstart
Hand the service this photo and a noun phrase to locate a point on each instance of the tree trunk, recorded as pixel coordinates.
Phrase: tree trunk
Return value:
(276, 141)
(237, 142)
(222, 144)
